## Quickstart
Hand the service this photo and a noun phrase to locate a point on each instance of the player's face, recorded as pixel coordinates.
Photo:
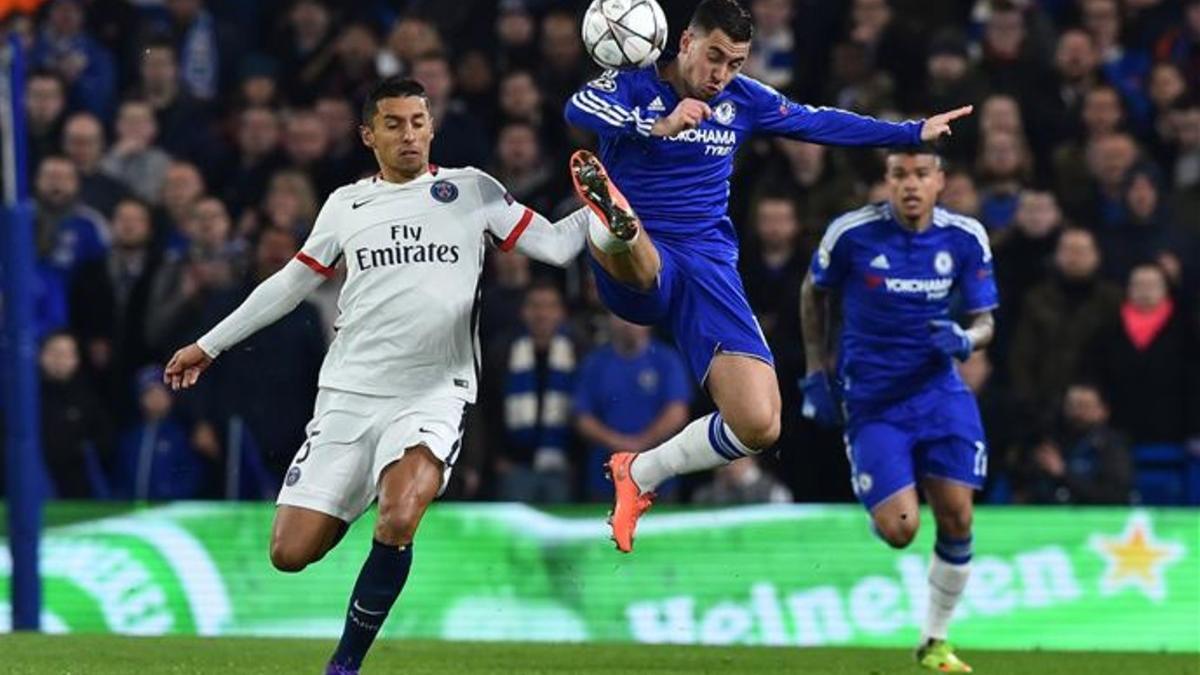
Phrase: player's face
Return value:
(710, 61)
(914, 183)
(400, 134)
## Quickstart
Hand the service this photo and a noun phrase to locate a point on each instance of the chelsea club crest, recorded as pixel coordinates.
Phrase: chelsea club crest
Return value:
(444, 191)
(943, 264)
(725, 112)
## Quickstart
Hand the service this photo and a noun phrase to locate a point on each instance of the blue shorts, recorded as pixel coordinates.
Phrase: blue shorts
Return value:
(935, 434)
(699, 298)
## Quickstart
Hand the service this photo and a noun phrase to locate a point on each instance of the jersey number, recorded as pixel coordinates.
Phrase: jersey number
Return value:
(980, 459)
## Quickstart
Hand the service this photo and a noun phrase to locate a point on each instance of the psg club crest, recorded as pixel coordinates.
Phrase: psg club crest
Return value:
(725, 112)
(943, 264)
(444, 191)
(293, 475)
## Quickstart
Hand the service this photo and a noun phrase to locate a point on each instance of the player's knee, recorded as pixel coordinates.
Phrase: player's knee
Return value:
(398, 522)
(757, 432)
(956, 523)
(899, 531)
(289, 557)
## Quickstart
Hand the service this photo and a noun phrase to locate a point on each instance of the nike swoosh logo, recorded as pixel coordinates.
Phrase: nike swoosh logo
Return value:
(367, 611)
(364, 202)
(424, 430)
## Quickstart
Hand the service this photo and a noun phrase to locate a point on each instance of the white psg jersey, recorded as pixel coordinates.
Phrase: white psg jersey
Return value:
(414, 254)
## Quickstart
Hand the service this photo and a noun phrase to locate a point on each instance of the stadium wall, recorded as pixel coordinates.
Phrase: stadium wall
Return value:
(800, 575)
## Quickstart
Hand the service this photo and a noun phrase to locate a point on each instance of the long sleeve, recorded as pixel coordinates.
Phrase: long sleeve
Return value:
(776, 114)
(516, 226)
(269, 302)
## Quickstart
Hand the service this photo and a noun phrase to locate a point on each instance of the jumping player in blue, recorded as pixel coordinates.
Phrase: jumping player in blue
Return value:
(911, 422)
(668, 135)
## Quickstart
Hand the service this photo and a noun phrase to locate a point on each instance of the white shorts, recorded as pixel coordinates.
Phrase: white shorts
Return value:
(352, 438)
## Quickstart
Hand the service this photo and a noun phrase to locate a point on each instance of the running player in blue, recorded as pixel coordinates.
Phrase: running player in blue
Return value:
(899, 266)
(668, 135)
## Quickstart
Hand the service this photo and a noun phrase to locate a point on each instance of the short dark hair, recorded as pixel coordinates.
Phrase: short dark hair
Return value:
(390, 87)
(727, 15)
(917, 151)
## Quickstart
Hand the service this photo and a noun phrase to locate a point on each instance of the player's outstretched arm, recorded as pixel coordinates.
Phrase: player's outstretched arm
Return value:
(274, 298)
(556, 243)
(832, 126)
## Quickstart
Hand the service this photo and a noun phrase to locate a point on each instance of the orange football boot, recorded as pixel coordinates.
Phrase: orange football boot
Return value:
(630, 502)
(597, 190)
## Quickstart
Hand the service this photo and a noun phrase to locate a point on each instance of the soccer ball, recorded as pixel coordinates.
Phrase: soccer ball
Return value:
(624, 33)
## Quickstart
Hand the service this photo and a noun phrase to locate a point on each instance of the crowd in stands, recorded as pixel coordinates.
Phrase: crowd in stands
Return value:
(180, 149)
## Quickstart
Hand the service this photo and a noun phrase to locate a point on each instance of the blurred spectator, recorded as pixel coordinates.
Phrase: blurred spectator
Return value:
(68, 232)
(1167, 90)
(531, 400)
(184, 123)
(516, 31)
(83, 142)
(87, 68)
(1060, 316)
(630, 396)
(772, 270)
(211, 263)
(1075, 62)
(742, 481)
(134, 159)
(45, 104)
(476, 77)
(1005, 166)
(1010, 61)
(182, 188)
(503, 295)
(269, 380)
(953, 81)
(348, 156)
(464, 143)
(1146, 232)
(1147, 364)
(891, 46)
(1186, 168)
(524, 169)
(206, 49)
(1109, 161)
(564, 65)
(822, 189)
(75, 426)
(1181, 44)
(1124, 66)
(1083, 461)
(355, 72)
(1024, 257)
(772, 53)
(155, 460)
(306, 147)
(960, 194)
(257, 157)
(110, 301)
(257, 84)
(290, 204)
(409, 39)
(1100, 115)
(521, 101)
(308, 55)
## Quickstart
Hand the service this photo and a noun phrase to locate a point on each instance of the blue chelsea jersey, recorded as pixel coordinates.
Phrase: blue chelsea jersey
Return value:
(679, 186)
(893, 282)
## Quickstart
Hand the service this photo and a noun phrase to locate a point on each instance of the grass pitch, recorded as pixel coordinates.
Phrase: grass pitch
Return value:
(105, 655)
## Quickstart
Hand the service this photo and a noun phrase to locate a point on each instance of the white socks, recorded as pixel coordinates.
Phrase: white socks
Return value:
(948, 574)
(603, 239)
(704, 444)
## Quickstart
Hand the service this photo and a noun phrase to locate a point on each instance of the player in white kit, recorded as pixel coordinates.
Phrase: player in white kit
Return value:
(403, 366)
